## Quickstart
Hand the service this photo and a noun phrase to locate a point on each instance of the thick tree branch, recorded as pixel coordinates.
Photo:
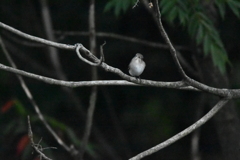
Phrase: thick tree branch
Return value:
(223, 92)
(175, 85)
(183, 133)
(227, 93)
(234, 93)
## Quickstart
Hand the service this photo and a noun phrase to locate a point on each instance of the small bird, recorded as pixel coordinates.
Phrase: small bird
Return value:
(136, 66)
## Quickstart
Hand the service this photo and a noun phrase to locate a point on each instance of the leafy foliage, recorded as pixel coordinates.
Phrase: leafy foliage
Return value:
(191, 14)
(119, 6)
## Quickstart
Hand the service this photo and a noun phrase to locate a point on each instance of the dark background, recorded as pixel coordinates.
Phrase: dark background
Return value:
(127, 119)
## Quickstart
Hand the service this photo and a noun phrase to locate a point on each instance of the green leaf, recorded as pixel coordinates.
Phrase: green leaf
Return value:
(119, 6)
(184, 12)
(235, 7)
(207, 26)
(167, 6)
(206, 45)
(173, 14)
(109, 6)
(221, 7)
(183, 17)
(199, 25)
(217, 40)
(193, 26)
(219, 57)
(213, 53)
(55, 123)
(20, 108)
(200, 35)
(163, 2)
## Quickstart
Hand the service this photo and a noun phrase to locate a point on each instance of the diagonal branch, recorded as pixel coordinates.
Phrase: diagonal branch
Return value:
(33, 102)
(157, 17)
(183, 133)
(233, 93)
(53, 52)
(30, 135)
(121, 37)
(94, 91)
(37, 39)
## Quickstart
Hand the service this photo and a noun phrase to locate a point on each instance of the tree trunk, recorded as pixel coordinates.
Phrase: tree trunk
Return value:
(226, 121)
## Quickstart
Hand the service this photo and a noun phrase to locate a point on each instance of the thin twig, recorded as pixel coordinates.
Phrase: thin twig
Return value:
(183, 133)
(98, 34)
(230, 93)
(36, 147)
(157, 16)
(121, 37)
(53, 53)
(89, 120)
(37, 39)
(21, 55)
(167, 40)
(24, 42)
(94, 91)
(32, 101)
(101, 52)
(78, 47)
(136, 3)
(195, 137)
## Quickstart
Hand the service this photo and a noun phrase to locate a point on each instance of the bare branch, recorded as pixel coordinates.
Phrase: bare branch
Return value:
(94, 91)
(234, 93)
(230, 93)
(34, 104)
(36, 147)
(188, 80)
(89, 120)
(136, 3)
(53, 52)
(98, 34)
(21, 41)
(195, 137)
(79, 47)
(19, 53)
(101, 52)
(36, 39)
(183, 133)
(176, 85)
(157, 16)
(121, 37)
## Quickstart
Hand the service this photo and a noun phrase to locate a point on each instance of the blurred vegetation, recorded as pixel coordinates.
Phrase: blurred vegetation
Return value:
(127, 119)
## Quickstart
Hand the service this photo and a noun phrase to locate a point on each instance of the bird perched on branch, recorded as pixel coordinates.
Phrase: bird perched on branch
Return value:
(136, 66)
